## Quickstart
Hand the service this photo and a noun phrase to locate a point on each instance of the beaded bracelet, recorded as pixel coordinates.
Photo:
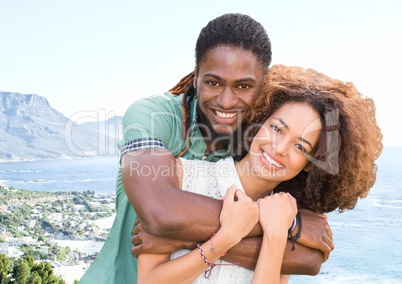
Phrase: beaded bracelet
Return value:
(297, 236)
(292, 228)
(208, 271)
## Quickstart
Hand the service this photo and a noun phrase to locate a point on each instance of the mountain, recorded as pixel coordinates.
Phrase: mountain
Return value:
(112, 127)
(30, 129)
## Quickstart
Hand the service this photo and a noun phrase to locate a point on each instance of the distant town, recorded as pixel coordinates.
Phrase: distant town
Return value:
(32, 222)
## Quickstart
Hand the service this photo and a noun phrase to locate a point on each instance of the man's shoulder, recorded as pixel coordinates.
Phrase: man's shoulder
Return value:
(160, 100)
(165, 102)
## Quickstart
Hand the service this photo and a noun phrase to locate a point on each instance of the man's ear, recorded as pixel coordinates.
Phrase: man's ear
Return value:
(195, 78)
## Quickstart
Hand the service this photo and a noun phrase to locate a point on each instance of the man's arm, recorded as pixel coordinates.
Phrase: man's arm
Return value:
(316, 232)
(151, 184)
(150, 181)
(302, 260)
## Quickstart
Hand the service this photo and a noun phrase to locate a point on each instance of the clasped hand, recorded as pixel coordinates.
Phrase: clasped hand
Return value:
(240, 213)
(238, 217)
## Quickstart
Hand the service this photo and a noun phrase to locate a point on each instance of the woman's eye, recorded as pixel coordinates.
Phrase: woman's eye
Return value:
(244, 86)
(301, 148)
(276, 128)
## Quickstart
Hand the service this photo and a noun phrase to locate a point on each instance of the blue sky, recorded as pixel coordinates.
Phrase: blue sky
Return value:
(89, 57)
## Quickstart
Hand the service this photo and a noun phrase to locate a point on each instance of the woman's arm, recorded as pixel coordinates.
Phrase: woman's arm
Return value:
(156, 268)
(238, 217)
(269, 263)
(303, 260)
(276, 214)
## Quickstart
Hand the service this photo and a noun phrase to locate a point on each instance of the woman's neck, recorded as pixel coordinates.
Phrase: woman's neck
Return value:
(254, 186)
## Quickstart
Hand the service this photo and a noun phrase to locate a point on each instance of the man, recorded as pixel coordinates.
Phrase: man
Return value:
(233, 53)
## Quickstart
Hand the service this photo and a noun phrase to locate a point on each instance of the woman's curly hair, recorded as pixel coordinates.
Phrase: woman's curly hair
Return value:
(343, 168)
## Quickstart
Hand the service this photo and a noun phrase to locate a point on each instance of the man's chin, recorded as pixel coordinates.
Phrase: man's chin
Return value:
(223, 132)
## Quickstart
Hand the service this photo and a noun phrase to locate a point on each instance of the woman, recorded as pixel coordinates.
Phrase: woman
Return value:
(317, 138)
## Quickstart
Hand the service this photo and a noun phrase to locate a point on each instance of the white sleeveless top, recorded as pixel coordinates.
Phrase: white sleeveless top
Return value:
(213, 179)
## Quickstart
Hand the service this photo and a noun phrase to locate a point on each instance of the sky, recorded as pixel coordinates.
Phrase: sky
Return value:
(91, 59)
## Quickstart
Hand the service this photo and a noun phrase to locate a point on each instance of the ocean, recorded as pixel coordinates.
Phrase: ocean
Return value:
(367, 238)
(82, 174)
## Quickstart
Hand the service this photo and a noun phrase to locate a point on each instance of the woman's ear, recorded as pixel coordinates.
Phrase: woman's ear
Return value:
(308, 167)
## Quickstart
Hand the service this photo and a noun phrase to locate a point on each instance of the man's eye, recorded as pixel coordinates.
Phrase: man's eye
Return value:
(213, 83)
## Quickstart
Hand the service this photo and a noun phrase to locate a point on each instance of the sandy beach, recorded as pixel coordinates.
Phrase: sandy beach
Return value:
(105, 223)
(70, 273)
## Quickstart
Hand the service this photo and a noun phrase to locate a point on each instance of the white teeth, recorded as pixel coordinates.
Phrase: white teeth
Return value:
(225, 115)
(272, 161)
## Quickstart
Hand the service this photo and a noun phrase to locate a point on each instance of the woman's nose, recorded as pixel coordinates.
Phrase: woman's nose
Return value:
(280, 147)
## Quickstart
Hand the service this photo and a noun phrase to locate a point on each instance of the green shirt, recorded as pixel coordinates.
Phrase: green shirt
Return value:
(157, 117)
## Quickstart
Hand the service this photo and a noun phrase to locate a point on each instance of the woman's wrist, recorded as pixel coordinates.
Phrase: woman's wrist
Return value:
(222, 241)
(275, 235)
(211, 255)
(294, 237)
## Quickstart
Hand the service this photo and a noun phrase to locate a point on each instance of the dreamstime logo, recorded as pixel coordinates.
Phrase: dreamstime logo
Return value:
(331, 163)
(169, 126)
(152, 171)
(155, 124)
(197, 169)
(108, 134)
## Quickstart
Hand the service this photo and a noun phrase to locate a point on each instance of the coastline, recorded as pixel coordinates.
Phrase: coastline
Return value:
(22, 159)
(367, 238)
(70, 273)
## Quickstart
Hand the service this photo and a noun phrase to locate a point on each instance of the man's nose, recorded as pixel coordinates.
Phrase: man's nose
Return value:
(227, 99)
